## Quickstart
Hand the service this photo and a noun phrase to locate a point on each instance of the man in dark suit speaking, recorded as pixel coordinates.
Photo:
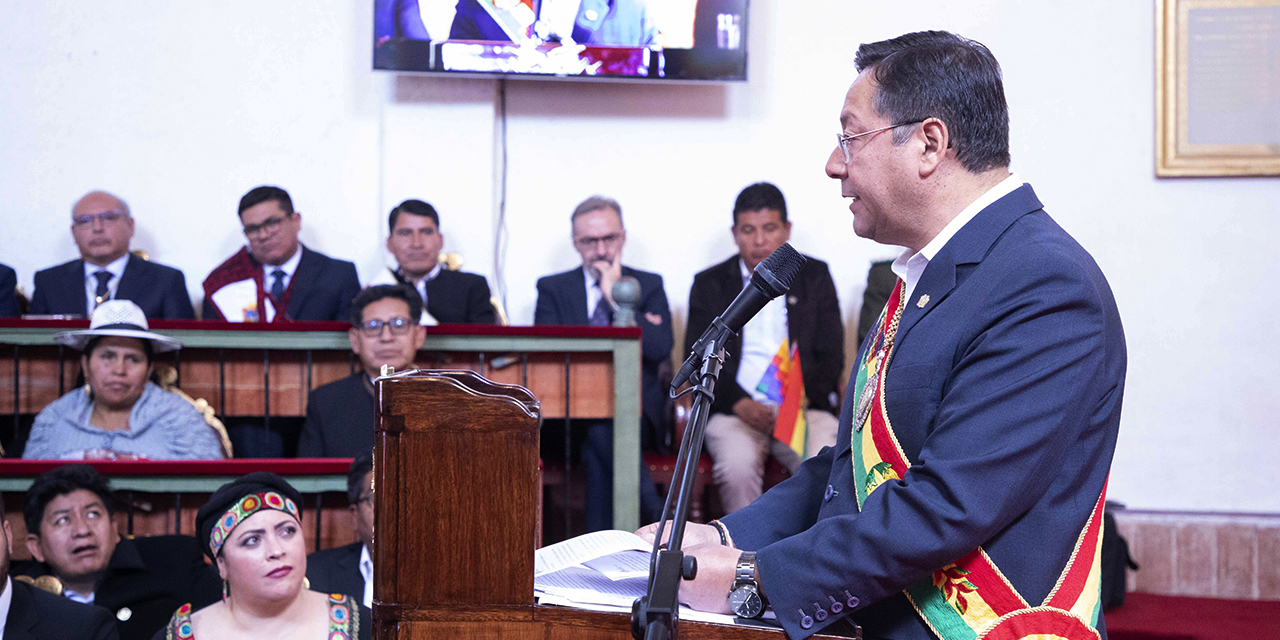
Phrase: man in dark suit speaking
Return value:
(447, 296)
(384, 330)
(963, 496)
(103, 227)
(740, 432)
(276, 278)
(584, 296)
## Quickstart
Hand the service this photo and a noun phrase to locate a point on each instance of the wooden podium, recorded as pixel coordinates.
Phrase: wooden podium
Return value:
(456, 479)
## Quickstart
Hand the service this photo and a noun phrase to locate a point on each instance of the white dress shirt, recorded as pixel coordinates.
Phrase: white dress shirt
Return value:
(6, 601)
(594, 294)
(366, 570)
(116, 269)
(761, 337)
(421, 284)
(909, 267)
(289, 266)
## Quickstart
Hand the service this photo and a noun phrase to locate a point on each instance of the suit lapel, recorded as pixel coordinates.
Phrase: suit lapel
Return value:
(578, 297)
(130, 287)
(304, 277)
(968, 246)
(75, 286)
(22, 618)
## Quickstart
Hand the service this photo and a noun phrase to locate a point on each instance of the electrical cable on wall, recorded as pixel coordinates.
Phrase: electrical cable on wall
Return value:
(500, 229)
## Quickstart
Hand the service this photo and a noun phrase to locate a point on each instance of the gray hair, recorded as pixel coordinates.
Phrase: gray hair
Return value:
(596, 203)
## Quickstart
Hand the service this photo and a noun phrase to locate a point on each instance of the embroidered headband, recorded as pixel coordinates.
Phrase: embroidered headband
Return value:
(243, 508)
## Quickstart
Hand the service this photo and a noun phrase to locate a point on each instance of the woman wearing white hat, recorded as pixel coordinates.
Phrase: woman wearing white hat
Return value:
(119, 413)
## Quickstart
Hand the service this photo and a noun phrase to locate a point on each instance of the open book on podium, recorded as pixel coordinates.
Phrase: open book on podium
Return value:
(456, 480)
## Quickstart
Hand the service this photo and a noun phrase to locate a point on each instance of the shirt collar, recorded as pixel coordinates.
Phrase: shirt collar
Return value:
(910, 266)
(116, 268)
(288, 267)
(6, 600)
(366, 563)
(746, 273)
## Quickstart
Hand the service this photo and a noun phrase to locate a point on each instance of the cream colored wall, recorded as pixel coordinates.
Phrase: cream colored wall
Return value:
(181, 108)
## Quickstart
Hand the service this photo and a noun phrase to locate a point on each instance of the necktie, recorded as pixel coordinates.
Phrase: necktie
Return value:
(103, 293)
(277, 284)
(603, 315)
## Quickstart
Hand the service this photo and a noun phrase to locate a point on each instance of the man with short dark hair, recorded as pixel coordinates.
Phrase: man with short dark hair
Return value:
(349, 569)
(275, 278)
(964, 495)
(447, 296)
(142, 581)
(102, 227)
(384, 331)
(584, 296)
(740, 432)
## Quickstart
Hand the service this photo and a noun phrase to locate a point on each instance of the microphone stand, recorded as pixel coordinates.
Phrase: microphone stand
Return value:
(655, 616)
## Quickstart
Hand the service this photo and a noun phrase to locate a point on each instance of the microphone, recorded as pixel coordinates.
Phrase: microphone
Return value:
(771, 278)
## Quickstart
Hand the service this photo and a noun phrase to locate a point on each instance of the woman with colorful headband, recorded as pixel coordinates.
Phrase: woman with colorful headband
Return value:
(252, 530)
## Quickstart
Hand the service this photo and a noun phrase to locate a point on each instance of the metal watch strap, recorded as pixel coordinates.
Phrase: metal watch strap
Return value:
(746, 571)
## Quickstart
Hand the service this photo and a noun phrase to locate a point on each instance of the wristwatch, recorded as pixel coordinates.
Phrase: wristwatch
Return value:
(744, 597)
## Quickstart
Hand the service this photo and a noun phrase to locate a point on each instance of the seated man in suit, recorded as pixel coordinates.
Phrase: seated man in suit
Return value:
(349, 569)
(447, 296)
(8, 292)
(102, 228)
(384, 330)
(276, 278)
(584, 296)
(29, 612)
(739, 434)
(141, 581)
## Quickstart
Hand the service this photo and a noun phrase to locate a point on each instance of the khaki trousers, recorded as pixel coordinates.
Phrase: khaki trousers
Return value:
(739, 453)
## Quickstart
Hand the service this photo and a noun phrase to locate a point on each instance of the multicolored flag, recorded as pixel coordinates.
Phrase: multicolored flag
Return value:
(783, 384)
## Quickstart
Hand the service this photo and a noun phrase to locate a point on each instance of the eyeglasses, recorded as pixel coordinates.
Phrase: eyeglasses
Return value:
(107, 217)
(590, 243)
(373, 328)
(843, 140)
(269, 225)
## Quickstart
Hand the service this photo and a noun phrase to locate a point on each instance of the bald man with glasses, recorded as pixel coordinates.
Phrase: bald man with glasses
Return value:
(102, 227)
(384, 331)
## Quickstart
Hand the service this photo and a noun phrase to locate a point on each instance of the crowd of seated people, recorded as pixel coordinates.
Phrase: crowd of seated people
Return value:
(243, 575)
(275, 278)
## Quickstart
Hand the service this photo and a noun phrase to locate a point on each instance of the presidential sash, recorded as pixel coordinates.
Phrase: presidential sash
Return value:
(969, 599)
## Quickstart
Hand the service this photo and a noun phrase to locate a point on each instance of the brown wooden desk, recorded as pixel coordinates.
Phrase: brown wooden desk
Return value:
(268, 369)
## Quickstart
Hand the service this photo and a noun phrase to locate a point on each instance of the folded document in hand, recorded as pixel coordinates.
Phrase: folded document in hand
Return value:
(601, 571)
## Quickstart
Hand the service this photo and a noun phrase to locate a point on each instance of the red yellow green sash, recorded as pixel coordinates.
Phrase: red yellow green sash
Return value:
(969, 599)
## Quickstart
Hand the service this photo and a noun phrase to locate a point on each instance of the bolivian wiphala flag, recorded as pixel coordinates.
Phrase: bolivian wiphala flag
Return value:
(783, 384)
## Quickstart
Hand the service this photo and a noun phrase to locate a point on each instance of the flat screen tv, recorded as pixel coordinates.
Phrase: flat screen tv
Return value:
(640, 40)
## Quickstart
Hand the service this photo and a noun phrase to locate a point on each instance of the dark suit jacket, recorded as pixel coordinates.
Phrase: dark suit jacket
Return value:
(8, 292)
(321, 289)
(813, 324)
(340, 417)
(337, 571)
(1004, 392)
(459, 297)
(161, 291)
(562, 299)
(152, 576)
(35, 614)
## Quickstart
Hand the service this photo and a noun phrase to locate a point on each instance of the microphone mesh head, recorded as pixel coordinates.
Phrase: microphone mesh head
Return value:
(784, 264)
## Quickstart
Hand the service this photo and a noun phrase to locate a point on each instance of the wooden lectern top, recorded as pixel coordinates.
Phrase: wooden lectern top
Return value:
(456, 479)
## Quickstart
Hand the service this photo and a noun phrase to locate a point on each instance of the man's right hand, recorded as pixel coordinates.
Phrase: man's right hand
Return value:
(757, 416)
(694, 534)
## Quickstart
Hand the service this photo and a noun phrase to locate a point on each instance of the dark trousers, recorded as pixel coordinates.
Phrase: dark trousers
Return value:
(597, 465)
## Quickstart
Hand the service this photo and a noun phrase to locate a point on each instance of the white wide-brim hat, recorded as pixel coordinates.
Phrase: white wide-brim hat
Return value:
(117, 318)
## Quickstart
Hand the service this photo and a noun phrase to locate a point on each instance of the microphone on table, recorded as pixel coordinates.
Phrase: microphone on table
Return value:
(770, 279)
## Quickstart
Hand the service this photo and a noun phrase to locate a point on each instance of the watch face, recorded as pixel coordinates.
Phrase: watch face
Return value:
(745, 602)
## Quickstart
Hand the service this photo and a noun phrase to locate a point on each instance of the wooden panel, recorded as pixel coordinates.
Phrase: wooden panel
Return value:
(468, 467)
(38, 373)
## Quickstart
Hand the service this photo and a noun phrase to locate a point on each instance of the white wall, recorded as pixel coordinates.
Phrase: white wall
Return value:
(181, 108)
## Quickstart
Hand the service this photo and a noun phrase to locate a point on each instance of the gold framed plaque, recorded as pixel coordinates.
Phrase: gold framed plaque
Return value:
(1217, 88)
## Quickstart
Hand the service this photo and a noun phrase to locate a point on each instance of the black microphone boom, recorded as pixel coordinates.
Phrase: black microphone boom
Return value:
(771, 278)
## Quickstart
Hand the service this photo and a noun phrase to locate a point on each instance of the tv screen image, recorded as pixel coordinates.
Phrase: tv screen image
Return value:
(644, 40)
